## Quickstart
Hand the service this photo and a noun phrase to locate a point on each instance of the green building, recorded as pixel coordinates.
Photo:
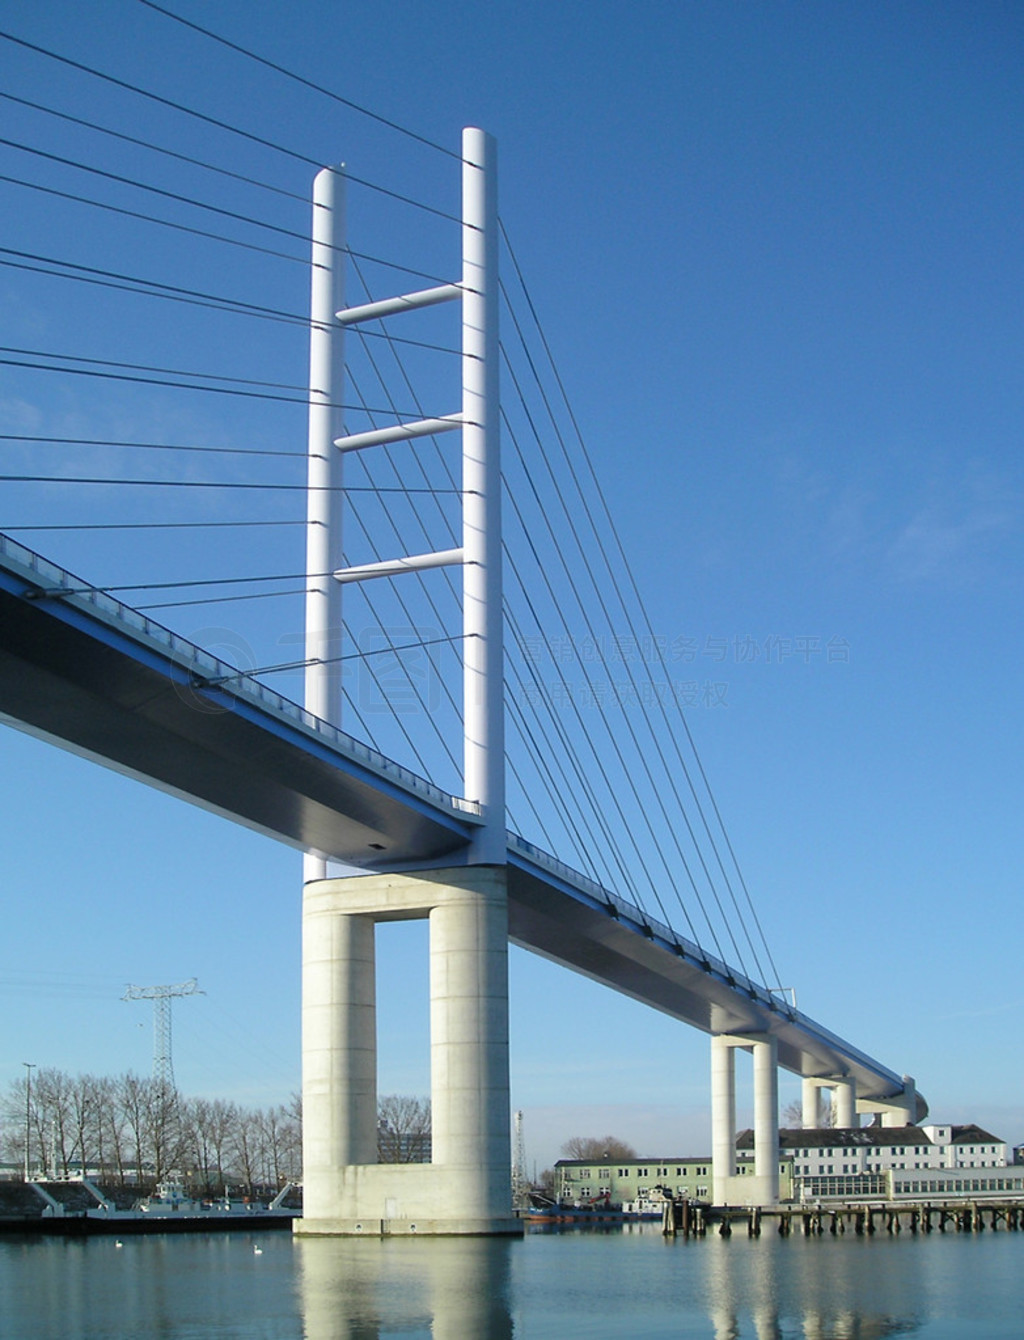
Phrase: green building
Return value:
(638, 1184)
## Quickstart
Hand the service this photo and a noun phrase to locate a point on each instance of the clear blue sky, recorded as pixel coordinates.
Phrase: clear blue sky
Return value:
(776, 250)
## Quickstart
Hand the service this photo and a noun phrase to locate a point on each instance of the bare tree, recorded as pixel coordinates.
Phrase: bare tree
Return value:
(793, 1115)
(52, 1116)
(279, 1143)
(12, 1110)
(84, 1120)
(165, 1134)
(197, 1119)
(130, 1095)
(248, 1148)
(595, 1149)
(140, 1130)
(115, 1134)
(403, 1129)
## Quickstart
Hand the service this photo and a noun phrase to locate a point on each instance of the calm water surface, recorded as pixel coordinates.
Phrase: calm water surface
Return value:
(628, 1283)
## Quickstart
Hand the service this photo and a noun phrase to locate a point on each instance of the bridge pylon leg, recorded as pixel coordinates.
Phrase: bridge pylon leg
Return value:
(466, 1188)
(763, 1187)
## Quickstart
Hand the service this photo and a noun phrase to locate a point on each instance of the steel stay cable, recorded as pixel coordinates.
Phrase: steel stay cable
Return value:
(220, 600)
(146, 367)
(155, 148)
(155, 288)
(284, 666)
(519, 723)
(582, 780)
(220, 125)
(368, 735)
(654, 788)
(397, 716)
(417, 458)
(61, 591)
(308, 83)
(149, 288)
(184, 386)
(200, 484)
(614, 854)
(646, 619)
(540, 758)
(165, 194)
(149, 446)
(177, 196)
(400, 598)
(655, 736)
(146, 525)
(152, 218)
(403, 605)
(599, 763)
(415, 454)
(602, 716)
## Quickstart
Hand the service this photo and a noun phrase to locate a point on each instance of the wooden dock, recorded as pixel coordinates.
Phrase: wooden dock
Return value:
(697, 1219)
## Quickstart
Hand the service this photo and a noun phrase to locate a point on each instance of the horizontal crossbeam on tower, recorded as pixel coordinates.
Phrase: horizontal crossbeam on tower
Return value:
(394, 567)
(407, 302)
(400, 432)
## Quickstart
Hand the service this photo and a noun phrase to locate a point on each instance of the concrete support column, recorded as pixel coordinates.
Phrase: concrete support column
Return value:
(901, 1110)
(723, 1116)
(766, 1120)
(846, 1094)
(467, 1188)
(469, 1045)
(339, 1047)
(810, 1093)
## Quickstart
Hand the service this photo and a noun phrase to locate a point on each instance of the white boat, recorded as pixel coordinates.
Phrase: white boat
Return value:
(172, 1198)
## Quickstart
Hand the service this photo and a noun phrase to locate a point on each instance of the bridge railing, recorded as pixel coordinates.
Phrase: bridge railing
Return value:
(205, 672)
(649, 926)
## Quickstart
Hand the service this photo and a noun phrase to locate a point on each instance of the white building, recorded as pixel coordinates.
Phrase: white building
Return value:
(858, 1160)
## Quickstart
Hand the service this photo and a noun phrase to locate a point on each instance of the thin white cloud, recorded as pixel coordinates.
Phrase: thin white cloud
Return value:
(949, 541)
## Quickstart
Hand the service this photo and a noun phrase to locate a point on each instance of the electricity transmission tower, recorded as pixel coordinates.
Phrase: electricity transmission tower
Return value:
(520, 1181)
(163, 1068)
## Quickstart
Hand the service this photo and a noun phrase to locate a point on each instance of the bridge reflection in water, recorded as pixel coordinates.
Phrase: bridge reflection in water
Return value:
(448, 1288)
(625, 1282)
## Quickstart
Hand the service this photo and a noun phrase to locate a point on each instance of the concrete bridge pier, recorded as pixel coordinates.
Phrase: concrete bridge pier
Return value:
(763, 1187)
(901, 1110)
(844, 1094)
(466, 1188)
(905, 1108)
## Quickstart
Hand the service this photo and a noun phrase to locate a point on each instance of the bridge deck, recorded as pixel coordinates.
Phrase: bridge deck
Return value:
(92, 675)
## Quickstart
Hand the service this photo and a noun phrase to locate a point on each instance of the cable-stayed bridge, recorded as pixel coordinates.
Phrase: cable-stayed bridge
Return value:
(617, 863)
